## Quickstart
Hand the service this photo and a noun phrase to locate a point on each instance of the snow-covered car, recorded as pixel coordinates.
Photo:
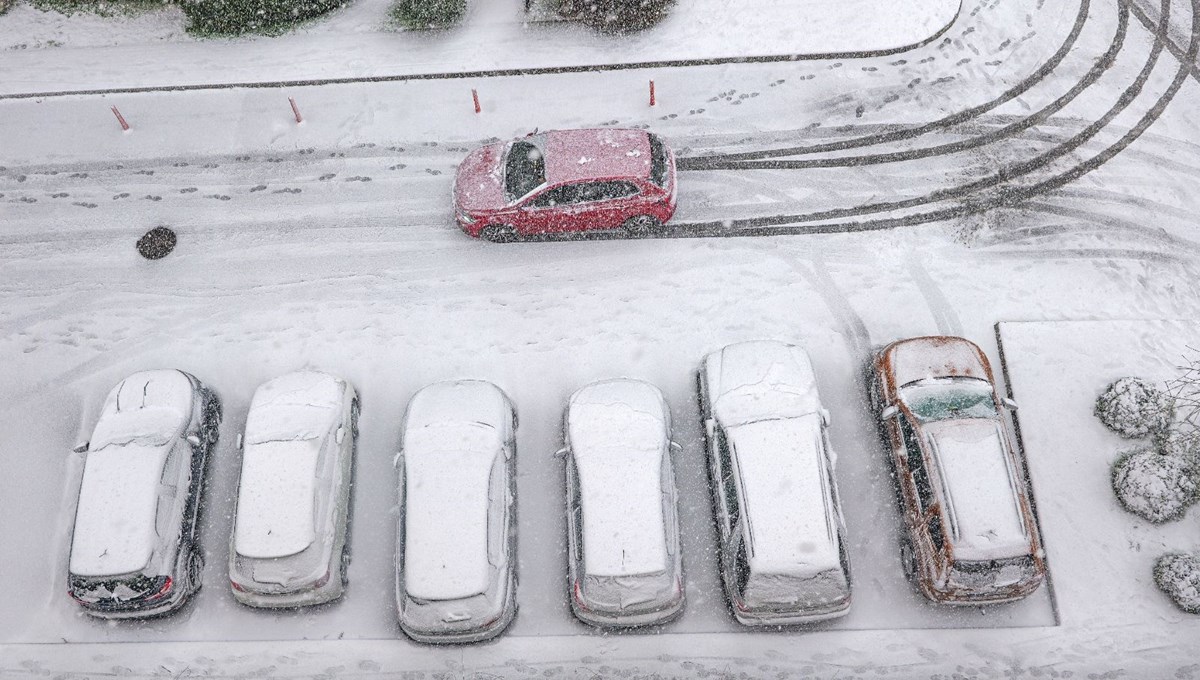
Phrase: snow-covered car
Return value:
(456, 555)
(970, 534)
(134, 549)
(566, 181)
(783, 552)
(624, 566)
(288, 547)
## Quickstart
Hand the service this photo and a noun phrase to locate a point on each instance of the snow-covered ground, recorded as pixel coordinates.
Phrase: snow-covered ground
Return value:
(330, 245)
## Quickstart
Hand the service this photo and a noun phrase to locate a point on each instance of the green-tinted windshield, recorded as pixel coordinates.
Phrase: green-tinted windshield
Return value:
(967, 398)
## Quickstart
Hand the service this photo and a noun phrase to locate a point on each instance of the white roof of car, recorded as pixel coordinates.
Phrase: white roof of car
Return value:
(618, 435)
(981, 502)
(277, 496)
(760, 380)
(115, 530)
(447, 470)
(779, 470)
(458, 401)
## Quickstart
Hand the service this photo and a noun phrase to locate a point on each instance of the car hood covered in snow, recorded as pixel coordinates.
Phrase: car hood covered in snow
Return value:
(479, 183)
(935, 357)
(760, 380)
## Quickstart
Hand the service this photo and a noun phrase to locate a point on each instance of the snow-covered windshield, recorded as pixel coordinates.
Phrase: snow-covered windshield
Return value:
(151, 426)
(524, 169)
(950, 399)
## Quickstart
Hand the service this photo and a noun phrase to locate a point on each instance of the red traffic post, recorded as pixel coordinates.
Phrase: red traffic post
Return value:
(120, 119)
(652, 93)
(295, 110)
(475, 97)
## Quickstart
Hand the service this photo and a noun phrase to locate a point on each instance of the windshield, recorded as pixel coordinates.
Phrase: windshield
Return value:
(962, 398)
(524, 169)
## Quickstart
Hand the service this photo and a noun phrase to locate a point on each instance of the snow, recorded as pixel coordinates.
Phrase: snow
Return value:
(276, 510)
(923, 358)
(981, 502)
(297, 406)
(151, 406)
(115, 526)
(760, 380)
(153, 50)
(779, 469)
(446, 505)
(618, 435)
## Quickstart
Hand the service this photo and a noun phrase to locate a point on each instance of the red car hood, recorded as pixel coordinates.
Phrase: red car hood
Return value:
(479, 184)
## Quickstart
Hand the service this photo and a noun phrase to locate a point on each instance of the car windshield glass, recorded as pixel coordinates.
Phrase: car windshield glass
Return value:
(524, 169)
(967, 398)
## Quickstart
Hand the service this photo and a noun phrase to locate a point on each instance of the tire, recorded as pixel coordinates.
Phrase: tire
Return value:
(212, 417)
(345, 564)
(908, 560)
(499, 233)
(354, 411)
(641, 225)
(195, 570)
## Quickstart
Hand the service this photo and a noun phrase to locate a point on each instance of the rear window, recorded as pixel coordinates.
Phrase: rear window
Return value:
(658, 161)
(524, 169)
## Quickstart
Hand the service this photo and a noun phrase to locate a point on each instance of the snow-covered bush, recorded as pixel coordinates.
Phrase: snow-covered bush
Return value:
(5, 5)
(1134, 408)
(428, 13)
(1178, 575)
(1156, 487)
(230, 17)
(614, 15)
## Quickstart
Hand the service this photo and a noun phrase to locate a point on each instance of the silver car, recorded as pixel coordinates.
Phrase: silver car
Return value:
(624, 566)
(134, 547)
(288, 547)
(783, 552)
(456, 544)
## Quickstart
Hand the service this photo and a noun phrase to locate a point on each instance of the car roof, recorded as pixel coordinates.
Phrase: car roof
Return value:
(760, 380)
(459, 401)
(115, 521)
(277, 498)
(447, 472)
(595, 154)
(936, 356)
(618, 435)
(294, 406)
(781, 473)
(978, 479)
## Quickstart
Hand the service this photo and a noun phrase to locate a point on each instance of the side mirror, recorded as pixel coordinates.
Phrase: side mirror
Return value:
(193, 440)
(825, 417)
(81, 447)
(675, 446)
(561, 452)
(239, 441)
(709, 427)
(889, 412)
(1010, 404)
(340, 435)
(396, 459)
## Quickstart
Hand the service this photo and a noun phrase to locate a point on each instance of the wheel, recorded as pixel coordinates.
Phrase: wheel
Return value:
(195, 570)
(345, 566)
(499, 233)
(641, 225)
(212, 417)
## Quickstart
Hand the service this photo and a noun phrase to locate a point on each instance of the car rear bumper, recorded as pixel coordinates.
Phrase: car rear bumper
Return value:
(792, 617)
(655, 615)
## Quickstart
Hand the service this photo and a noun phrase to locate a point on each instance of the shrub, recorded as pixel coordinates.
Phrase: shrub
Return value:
(233, 17)
(614, 15)
(420, 14)
(1156, 487)
(1134, 408)
(1178, 575)
(5, 5)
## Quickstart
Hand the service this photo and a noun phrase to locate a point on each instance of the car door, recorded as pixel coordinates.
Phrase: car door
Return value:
(604, 205)
(548, 211)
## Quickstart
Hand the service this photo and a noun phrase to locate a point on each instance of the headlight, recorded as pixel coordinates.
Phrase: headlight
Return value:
(465, 218)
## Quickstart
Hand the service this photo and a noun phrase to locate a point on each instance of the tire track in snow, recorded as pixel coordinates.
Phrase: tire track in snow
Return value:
(944, 317)
(850, 324)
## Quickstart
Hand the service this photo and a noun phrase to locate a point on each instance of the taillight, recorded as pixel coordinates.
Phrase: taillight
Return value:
(236, 586)
(71, 592)
(322, 581)
(166, 588)
(579, 598)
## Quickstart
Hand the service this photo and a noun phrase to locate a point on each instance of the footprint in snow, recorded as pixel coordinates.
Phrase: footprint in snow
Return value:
(120, 196)
(397, 149)
(150, 197)
(85, 205)
(25, 199)
(398, 166)
(260, 187)
(286, 191)
(61, 194)
(358, 178)
(219, 197)
(209, 166)
(189, 190)
(78, 175)
(144, 172)
(432, 171)
(328, 176)
(304, 152)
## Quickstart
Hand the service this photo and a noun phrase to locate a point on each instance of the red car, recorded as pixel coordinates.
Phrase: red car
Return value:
(564, 181)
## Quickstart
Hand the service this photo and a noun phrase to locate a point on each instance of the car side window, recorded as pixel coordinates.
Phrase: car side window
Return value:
(935, 532)
(668, 499)
(563, 195)
(741, 568)
(605, 191)
(576, 507)
(916, 466)
(728, 486)
(497, 509)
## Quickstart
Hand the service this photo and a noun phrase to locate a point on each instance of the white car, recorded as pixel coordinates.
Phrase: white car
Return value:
(624, 566)
(456, 544)
(134, 548)
(288, 546)
(783, 553)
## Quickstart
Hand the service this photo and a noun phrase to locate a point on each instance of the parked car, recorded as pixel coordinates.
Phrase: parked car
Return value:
(624, 565)
(288, 547)
(970, 534)
(135, 547)
(456, 546)
(566, 181)
(782, 536)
